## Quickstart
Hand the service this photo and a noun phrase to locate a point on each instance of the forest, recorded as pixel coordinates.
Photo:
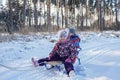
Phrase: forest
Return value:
(52, 15)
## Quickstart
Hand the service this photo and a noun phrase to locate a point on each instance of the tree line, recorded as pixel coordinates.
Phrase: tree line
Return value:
(52, 15)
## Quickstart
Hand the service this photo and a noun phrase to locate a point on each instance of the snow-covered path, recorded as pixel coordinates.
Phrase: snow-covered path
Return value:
(100, 56)
(102, 59)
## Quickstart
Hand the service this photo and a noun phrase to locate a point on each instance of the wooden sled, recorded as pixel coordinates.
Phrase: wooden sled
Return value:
(57, 64)
(53, 64)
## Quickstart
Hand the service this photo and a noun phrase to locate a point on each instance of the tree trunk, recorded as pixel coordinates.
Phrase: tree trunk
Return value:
(24, 13)
(29, 13)
(10, 22)
(116, 15)
(62, 13)
(45, 20)
(58, 14)
(66, 14)
(73, 13)
(111, 13)
(78, 17)
(77, 25)
(82, 17)
(48, 15)
(100, 24)
(35, 16)
(86, 13)
(40, 14)
(104, 14)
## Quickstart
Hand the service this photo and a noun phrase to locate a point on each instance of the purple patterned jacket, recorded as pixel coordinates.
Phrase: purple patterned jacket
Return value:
(64, 49)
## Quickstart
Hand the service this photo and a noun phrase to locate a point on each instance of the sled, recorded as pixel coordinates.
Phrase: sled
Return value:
(57, 64)
(49, 64)
(54, 63)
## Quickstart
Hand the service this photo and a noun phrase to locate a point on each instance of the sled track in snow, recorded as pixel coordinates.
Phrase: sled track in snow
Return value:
(30, 73)
(23, 68)
(95, 48)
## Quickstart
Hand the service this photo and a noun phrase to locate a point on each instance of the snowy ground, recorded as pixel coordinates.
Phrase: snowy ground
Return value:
(100, 56)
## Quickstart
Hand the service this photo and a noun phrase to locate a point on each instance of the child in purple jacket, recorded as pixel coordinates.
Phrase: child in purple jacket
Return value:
(62, 51)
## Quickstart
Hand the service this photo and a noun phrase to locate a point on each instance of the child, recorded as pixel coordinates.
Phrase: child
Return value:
(62, 51)
(74, 40)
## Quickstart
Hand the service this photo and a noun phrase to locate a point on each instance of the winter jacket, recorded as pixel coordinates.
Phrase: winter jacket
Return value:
(64, 49)
(75, 40)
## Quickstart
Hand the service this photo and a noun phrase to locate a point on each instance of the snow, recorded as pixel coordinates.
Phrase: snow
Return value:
(100, 56)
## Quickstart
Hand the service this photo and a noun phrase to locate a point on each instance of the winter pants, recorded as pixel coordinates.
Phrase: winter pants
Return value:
(68, 65)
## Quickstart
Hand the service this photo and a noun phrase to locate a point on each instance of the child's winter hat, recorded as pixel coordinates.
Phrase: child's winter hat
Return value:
(62, 33)
(72, 30)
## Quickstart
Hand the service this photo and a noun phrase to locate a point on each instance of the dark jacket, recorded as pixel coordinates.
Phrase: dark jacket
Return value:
(75, 40)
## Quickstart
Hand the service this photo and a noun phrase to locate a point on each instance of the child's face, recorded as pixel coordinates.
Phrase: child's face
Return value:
(63, 38)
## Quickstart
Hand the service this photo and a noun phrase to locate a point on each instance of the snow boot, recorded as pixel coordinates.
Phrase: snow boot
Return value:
(71, 73)
(35, 63)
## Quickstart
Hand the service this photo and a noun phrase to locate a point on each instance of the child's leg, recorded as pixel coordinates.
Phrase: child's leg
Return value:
(53, 58)
(68, 67)
(41, 61)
